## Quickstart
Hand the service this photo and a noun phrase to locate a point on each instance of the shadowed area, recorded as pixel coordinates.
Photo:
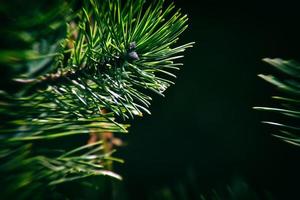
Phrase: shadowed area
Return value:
(206, 121)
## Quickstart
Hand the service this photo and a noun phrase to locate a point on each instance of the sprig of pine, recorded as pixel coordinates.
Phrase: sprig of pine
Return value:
(288, 84)
(110, 55)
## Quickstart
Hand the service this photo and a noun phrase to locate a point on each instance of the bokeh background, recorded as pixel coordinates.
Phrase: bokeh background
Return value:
(206, 125)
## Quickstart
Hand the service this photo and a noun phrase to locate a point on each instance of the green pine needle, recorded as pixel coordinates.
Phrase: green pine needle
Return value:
(289, 85)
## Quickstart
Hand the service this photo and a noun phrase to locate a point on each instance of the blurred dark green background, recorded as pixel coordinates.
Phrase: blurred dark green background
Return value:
(206, 122)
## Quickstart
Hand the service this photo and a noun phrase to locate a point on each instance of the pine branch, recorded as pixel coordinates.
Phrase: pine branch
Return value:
(112, 53)
(289, 85)
(115, 69)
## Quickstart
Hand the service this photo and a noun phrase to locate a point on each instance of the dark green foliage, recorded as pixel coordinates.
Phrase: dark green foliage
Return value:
(288, 84)
(236, 189)
(71, 70)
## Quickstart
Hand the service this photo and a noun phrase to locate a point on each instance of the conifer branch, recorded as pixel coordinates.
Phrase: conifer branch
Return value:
(110, 55)
(288, 83)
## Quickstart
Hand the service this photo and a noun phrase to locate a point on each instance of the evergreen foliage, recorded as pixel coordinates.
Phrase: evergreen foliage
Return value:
(288, 84)
(74, 70)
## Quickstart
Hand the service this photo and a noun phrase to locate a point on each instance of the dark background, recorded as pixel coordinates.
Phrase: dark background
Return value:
(206, 122)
